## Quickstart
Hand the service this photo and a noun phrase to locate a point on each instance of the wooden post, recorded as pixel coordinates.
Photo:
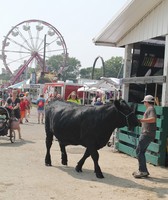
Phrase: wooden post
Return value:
(164, 101)
(127, 70)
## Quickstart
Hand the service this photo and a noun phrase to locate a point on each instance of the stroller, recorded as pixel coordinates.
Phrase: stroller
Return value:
(5, 122)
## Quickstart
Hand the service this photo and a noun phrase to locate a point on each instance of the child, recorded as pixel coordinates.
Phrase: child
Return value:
(22, 109)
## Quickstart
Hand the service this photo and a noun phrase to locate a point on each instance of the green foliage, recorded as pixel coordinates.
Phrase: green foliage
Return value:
(86, 73)
(113, 68)
(5, 77)
(70, 71)
(54, 63)
(43, 80)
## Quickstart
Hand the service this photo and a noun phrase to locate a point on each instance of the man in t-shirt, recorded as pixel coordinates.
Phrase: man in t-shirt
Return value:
(41, 108)
(147, 136)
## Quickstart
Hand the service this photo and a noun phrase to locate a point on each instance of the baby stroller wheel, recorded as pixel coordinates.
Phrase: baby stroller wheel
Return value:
(12, 136)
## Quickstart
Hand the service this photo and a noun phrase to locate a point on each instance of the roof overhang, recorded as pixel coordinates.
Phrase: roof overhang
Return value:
(130, 15)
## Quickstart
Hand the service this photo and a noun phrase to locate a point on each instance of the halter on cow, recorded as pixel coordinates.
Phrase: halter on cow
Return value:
(88, 126)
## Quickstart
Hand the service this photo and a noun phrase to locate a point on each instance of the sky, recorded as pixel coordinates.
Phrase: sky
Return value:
(78, 21)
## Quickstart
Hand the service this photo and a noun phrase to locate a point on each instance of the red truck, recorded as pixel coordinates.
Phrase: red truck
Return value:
(62, 88)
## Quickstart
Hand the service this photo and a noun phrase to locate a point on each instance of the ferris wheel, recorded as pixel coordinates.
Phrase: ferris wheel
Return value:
(29, 44)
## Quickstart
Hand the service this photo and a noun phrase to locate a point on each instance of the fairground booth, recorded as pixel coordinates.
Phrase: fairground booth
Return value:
(141, 27)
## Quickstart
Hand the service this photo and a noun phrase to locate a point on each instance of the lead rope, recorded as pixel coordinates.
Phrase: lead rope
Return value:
(134, 139)
(126, 116)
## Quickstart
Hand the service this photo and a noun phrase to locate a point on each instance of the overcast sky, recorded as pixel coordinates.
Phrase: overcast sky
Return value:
(78, 21)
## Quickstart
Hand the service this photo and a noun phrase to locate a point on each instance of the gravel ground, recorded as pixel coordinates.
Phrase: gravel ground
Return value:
(24, 175)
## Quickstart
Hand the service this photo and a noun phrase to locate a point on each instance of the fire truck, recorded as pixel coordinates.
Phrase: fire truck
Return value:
(62, 88)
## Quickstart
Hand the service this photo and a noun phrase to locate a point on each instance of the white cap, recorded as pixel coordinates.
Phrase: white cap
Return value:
(148, 98)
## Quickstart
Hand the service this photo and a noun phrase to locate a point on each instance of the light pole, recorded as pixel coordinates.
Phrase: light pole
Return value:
(43, 60)
(44, 54)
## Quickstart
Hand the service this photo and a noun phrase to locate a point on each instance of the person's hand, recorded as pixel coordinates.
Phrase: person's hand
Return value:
(139, 120)
(10, 107)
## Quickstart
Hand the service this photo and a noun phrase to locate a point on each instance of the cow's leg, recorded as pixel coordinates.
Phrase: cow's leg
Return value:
(95, 156)
(78, 168)
(63, 154)
(49, 139)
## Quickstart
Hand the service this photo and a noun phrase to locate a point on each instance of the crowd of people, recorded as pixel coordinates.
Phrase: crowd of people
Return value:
(19, 106)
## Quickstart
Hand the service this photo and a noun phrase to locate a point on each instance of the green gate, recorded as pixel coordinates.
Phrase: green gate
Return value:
(157, 150)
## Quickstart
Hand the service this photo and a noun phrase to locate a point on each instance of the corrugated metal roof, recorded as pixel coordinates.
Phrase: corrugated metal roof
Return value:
(125, 21)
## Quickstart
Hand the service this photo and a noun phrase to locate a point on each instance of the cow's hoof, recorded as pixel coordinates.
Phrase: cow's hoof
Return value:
(64, 162)
(78, 169)
(100, 175)
(48, 164)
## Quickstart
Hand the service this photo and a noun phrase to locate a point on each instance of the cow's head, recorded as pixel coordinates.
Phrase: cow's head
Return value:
(127, 114)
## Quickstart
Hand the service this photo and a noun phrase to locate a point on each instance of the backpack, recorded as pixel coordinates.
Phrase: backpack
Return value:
(41, 104)
(27, 102)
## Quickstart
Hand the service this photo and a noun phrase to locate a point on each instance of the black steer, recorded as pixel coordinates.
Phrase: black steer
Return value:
(89, 126)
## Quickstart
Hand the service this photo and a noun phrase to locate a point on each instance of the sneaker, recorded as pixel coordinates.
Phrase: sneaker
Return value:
(140, 174)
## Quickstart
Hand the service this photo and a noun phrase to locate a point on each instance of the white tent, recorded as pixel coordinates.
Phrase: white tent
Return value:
(107, 84)
(94, 89)
(85, 88)
(103, 85)
(115, 82)
(20, 85)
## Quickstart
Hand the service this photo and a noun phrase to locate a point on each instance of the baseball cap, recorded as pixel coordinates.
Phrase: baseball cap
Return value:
(148, 98)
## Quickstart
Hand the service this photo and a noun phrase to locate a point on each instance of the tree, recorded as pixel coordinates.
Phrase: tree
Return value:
(54, 63)
(113, 68)
(86, 73)
(5, 77)
(70, 71)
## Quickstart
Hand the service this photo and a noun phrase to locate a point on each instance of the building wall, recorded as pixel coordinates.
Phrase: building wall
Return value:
(154, 24)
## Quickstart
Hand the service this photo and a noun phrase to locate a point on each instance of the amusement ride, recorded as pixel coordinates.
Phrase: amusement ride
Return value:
(29, 44)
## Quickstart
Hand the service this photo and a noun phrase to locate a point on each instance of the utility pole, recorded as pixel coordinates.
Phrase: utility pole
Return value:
(44, 53)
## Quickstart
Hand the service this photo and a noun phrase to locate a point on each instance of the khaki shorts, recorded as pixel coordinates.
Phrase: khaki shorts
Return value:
(41, 111)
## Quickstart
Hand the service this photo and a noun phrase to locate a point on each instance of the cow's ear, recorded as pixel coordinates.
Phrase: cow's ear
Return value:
(117, 104)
